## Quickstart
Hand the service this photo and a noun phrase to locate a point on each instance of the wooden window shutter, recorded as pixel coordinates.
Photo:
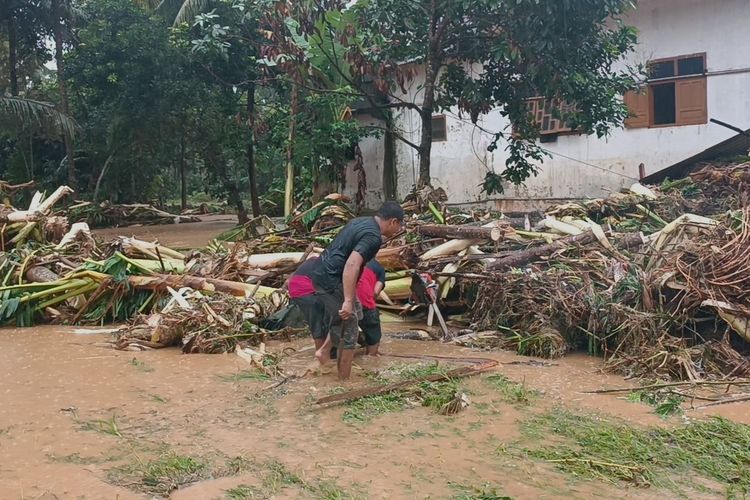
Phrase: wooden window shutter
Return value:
(638, 104)
(692, 108)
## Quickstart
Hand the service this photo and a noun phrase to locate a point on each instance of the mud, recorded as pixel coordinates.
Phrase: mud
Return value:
(62, 390)
(178, 236)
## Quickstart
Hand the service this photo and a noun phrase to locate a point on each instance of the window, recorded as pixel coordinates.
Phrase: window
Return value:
(439, 129)
(675, 94)
(547, 115)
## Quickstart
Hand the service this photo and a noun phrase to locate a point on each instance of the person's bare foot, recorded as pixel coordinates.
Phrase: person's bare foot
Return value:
(323, 356)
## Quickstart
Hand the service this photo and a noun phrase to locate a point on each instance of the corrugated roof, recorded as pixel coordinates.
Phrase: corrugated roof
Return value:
(738, 144)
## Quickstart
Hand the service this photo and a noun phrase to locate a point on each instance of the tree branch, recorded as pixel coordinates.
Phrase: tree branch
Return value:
(396, 134)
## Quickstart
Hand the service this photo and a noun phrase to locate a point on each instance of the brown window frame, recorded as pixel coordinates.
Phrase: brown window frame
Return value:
(543, 114)
(444, 137)
(690, 96)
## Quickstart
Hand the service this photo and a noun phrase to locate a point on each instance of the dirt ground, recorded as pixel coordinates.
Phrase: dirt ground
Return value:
(79, 420)
(76, 412)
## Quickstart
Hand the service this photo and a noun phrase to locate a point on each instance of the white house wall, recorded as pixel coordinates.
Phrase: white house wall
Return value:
(581, 166)
(373, 151)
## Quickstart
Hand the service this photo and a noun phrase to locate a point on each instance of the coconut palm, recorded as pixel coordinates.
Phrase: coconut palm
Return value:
(178, 11)
(17, 113)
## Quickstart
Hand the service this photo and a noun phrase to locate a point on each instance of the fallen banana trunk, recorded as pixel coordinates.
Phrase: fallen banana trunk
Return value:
(397, 258)
(39, 274)
(23, 225)
(453, 247)
(160, 282)
(200, 324)
(277, 260)
(398, 289)
(10, 216)
(519, 259)
(134, 246)
(461, 232)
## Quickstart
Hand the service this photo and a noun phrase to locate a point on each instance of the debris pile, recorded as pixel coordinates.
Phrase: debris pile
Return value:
(652, 279)
(108, 214)
(674, 306)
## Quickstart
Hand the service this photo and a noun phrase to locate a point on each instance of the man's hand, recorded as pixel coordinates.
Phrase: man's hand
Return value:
(347, 308)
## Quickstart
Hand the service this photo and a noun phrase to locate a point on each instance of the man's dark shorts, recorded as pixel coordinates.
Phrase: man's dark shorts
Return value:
(314, 314)
(370, 325)
(343, 333)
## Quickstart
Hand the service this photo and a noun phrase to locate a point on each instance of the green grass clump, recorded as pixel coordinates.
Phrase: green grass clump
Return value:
(276, 477)
(512, 392)
(665, 403)
(716, 449)
(365, 409)
(437, 395)
(242, 492)
(408, 371)
(484, 492)
(169, 472)
(243, 375)
(108, 426)
(162, 475)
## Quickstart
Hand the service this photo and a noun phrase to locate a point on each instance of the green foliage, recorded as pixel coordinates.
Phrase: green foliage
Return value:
(716, 449)
(665, 403)
(15, 113)
(484, 492)
(169, 472)
(566, 51)
(511, 391)
(363, 410)
(157, 87)
(108, 426)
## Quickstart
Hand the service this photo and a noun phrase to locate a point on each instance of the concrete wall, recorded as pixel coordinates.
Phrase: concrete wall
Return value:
(373, 150)
(584, 166)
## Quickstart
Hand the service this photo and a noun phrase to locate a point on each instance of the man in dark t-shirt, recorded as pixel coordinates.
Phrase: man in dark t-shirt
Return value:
(335, 275)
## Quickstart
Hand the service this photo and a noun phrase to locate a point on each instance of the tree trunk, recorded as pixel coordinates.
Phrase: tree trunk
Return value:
(389, 160)
(107, 163)
(425, 114)
(461, 232)
(39, 274)
(251, 177)
(518, 259)
(12, 49)
(63, 86)
(236, 199)
(183, 177)
(289, 190)
(397, 258)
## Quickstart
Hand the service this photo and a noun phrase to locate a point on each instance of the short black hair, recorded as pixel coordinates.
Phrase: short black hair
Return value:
(391, 210)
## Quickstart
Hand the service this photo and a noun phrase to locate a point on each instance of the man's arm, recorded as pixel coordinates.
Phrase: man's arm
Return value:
(379, 287)
(349, 278)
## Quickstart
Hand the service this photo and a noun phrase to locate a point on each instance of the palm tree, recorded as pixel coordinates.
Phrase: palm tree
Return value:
(16, 113)
(179, 11)
(62, 13)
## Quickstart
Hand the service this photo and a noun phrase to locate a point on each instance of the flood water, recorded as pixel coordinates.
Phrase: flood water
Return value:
(57, 384)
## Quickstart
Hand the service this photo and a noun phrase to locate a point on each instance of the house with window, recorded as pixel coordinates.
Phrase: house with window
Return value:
(698, 55)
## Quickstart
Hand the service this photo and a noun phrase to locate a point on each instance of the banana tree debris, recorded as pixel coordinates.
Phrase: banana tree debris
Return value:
(652, 279)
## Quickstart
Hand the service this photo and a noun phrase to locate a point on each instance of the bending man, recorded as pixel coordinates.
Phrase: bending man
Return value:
(335, 276)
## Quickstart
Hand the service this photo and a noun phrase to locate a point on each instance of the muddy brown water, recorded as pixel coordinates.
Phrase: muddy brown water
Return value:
(179, 236)
(59, 385)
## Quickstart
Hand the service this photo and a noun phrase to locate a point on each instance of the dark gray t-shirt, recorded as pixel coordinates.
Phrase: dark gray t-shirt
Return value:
(361, 235)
